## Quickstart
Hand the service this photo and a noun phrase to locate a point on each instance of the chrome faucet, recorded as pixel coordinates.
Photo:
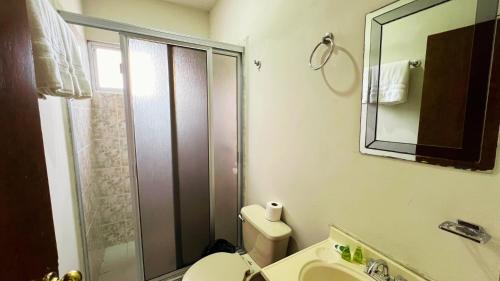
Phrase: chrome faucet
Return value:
(379, 270)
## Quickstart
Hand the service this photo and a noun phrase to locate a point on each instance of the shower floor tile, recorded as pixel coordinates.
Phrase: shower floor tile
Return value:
(119, 263)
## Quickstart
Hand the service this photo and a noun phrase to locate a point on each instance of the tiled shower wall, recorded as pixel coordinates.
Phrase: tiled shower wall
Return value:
(100, 138)
(82, 133)
(110, 170)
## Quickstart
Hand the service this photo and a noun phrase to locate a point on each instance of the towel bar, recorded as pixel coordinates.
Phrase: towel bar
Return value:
(327, 40)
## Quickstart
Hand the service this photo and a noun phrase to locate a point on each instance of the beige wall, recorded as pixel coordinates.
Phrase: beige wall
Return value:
(62, 184)
(154, 14)
(61, 174)
(302, 137)
(74, 6)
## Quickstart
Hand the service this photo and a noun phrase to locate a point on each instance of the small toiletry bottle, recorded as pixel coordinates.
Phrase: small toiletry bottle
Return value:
(346, 254)
(344, 251)
(358, 256)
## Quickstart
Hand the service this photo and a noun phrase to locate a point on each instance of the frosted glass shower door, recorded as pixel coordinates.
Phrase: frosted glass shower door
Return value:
(224, 105)
(149, 99)
(188, 78)
(168, 96)
(183, 127)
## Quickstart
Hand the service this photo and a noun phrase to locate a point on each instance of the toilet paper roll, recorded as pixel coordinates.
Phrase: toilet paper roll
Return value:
(273, 211)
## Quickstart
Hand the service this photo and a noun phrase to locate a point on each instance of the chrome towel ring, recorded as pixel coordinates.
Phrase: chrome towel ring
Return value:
(327, 40)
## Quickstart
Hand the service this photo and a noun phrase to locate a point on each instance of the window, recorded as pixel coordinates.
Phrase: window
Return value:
(105, 67)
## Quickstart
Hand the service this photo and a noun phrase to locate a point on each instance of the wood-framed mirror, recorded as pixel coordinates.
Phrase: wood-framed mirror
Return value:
(430, 82)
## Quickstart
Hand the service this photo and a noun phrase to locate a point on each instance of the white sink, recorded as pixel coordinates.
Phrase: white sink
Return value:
(320, 262)
(321, 271)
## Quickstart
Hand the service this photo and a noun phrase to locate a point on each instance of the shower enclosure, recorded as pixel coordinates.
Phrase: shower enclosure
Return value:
(178, 128)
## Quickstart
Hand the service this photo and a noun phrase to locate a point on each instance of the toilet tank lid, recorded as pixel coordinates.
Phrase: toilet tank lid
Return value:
(255, 215)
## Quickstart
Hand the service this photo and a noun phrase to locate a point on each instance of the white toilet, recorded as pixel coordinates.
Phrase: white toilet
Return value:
(265, 242)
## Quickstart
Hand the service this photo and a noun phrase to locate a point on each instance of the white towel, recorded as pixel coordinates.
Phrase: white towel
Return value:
(392, 85)
(56, 54)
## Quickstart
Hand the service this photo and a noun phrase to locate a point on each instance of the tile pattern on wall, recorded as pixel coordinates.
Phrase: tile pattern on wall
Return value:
(102, 158)
(110, 169)
(82, 134)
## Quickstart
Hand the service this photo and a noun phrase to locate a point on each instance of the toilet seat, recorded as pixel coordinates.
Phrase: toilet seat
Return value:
(217, 267)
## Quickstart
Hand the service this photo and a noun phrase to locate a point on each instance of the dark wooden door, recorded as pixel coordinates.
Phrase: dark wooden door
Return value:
(445, 89)
(26, 227)
(459, 127)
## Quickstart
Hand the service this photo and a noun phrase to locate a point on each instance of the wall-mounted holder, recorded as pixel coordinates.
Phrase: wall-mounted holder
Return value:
(415, 63)
(258, 64)
(467, 230)
(327, 40)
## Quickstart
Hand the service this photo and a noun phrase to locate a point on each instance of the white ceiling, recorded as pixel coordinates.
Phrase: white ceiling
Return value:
(199, 4)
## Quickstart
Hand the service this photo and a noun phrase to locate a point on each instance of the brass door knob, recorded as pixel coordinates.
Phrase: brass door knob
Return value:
(73, 275)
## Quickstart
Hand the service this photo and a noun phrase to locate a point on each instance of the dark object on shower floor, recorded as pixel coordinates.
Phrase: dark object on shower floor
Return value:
(219, 246)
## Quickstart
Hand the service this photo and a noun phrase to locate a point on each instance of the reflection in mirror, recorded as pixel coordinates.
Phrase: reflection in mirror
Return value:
(427, 81)
(399, 104)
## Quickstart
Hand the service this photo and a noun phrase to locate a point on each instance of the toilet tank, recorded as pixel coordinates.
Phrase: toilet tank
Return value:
(266, 242)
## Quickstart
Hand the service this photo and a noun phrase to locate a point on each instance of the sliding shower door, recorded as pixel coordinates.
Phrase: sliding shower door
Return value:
(150, 101)
(184, 160)
(188, 78)
(224, 105)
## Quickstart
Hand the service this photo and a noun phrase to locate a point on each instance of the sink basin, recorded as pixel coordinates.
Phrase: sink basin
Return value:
(321, 271)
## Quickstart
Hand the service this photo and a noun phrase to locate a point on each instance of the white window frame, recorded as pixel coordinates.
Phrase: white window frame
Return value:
(92, 47)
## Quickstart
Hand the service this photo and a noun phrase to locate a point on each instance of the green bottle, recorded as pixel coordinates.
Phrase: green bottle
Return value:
(344, 251)
(358, 255)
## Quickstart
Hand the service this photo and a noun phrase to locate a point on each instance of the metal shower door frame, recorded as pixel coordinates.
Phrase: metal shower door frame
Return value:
(211, 48)
(210, 51)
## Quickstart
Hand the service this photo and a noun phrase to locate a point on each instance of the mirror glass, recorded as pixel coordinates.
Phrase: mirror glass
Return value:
(399, 104)
(426, 79)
